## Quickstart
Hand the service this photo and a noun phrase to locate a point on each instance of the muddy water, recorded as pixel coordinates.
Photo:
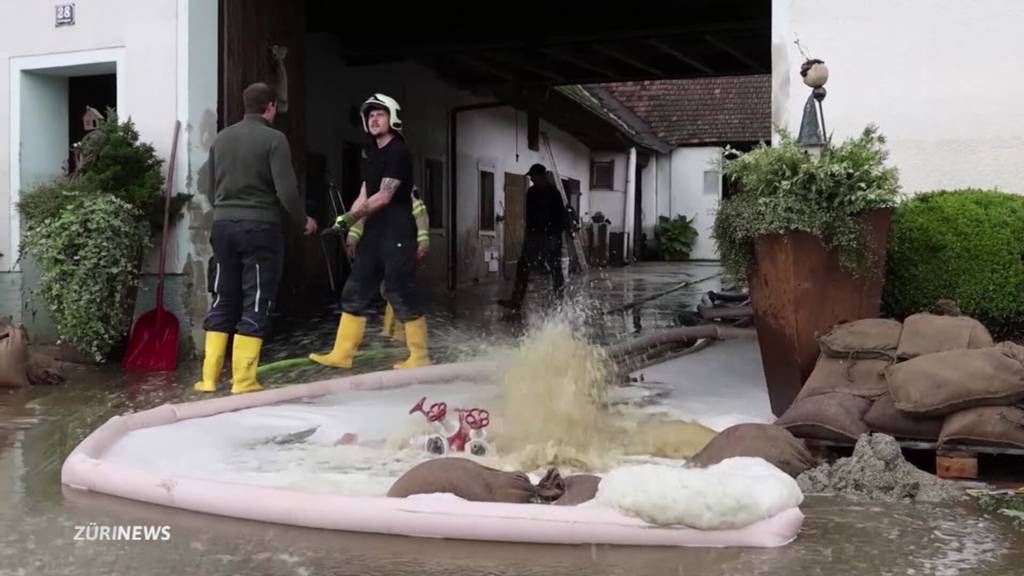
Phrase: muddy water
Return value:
(38, 517)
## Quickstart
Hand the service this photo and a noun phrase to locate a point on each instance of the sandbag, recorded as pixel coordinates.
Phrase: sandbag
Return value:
(871, 338)
(988, 425)
(858, 377)
(837, 417)
(567, 491)
(927, 334)
(772, 443)
(43, 370)
(13, 355)
(947, 382)
(884, 417)
(465, 479)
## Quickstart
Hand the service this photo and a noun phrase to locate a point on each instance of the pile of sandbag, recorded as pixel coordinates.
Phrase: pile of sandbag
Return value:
(930, 378)
(18, 365)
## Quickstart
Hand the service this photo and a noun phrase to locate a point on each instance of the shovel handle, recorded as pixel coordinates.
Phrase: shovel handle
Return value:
(167, 214)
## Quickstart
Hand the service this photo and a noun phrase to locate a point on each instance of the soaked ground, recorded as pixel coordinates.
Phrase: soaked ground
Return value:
(38, 517)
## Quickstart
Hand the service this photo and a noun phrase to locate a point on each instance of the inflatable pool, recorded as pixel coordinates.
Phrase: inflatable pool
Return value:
(92, 466)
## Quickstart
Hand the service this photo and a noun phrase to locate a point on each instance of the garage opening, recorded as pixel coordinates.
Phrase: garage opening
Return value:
(475, 96)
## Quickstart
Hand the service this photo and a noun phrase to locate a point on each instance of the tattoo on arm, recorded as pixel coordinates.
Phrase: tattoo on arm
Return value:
(389, 186)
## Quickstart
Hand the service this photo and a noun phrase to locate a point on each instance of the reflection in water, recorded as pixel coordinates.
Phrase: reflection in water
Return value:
(39, 427)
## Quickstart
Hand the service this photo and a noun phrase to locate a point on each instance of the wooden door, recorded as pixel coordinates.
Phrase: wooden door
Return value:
(250, 33)
(514, 220)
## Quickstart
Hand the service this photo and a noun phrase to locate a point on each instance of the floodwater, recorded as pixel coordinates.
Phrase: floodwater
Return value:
(39, 518)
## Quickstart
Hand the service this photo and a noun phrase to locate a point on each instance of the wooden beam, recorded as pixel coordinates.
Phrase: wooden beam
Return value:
(522, 64)
(582, 63)
(628, 60)
(671, 51)
(725, 47)
(485, 68)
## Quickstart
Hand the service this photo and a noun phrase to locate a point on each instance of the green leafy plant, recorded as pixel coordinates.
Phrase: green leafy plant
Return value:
(962, 245)
(89, 230)
(675, 237)
(89, 257)
(784, 188)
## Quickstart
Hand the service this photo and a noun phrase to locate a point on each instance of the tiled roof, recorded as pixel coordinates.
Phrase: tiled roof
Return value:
(720, 110)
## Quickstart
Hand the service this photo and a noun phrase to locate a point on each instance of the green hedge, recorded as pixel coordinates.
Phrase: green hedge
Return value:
(964, 245)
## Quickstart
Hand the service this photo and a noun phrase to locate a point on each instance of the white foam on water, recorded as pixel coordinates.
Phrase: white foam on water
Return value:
(239, 446)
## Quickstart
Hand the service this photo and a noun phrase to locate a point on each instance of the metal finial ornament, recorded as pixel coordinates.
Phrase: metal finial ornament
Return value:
(812, 127)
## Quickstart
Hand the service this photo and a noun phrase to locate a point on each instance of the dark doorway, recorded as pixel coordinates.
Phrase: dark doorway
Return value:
(97, 92)
(351, 172)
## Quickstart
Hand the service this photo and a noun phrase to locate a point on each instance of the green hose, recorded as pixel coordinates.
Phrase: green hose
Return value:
(305, 361)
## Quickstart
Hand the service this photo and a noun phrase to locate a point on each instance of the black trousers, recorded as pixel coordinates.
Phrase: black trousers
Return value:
(383, 257)
(537, 249)
(244, 275)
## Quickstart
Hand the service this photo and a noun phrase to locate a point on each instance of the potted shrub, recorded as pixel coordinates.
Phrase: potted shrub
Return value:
(675, 237)
(809, 233)
(88, 232)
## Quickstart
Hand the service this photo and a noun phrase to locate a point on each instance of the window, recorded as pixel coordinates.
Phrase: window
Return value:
(486, 201)
(533, 132)
(433, 192)
(602, 175)
(712, 183)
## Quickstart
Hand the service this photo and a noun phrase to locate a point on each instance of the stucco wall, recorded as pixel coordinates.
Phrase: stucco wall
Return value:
(689, 197)
(943, 79)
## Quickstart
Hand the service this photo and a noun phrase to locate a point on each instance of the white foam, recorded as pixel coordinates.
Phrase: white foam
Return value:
(731, 494)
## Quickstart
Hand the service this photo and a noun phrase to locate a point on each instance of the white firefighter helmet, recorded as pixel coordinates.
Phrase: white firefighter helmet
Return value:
(386, 102)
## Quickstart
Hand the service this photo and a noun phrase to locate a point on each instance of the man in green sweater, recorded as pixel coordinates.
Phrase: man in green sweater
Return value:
(251, 185)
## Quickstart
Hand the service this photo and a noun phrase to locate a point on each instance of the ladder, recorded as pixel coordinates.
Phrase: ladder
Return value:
(577, 246)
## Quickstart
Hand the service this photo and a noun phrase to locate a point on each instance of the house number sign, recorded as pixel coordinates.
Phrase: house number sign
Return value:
(65, 15)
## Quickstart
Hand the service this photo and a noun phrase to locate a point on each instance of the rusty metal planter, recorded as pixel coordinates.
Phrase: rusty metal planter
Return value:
(799, 292)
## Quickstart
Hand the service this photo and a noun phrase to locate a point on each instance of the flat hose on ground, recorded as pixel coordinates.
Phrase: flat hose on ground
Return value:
(618, 351)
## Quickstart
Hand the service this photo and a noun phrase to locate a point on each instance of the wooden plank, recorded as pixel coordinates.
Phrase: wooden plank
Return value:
(956, 465)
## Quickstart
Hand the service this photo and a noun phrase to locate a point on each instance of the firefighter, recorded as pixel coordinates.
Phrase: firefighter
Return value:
(419, 211)
(250, 182)
(546, 220)
(387, 250)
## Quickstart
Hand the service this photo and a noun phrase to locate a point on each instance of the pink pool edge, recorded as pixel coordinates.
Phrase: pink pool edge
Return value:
(428, 516)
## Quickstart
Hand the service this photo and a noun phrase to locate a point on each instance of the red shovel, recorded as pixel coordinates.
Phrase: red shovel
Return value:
(153, 345)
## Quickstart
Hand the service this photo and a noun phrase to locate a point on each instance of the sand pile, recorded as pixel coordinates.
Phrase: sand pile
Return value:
(878, 471)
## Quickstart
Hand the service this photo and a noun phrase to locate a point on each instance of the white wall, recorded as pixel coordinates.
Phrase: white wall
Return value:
(488, 138)
(689, 197)
(943, 79)
(147, 86)
(611, 203)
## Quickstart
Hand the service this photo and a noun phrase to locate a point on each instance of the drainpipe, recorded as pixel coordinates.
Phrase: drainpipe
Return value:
(453, 197)
(629, 228)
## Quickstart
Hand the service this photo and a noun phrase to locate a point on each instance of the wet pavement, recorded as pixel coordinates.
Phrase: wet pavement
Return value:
(39, 518)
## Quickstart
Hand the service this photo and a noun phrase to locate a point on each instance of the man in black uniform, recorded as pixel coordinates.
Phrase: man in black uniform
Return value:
(546, 218)
(250, 182)
(387, 250)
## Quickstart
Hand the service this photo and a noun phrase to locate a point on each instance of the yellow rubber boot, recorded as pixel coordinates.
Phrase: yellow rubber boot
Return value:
(245, 358)
(389, 321)
(213, 362)
(399, 331)
(416, 342)
(350, 336)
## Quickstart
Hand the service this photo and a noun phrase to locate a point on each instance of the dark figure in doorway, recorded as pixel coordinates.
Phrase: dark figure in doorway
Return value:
(251, 185)
(546, 219)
